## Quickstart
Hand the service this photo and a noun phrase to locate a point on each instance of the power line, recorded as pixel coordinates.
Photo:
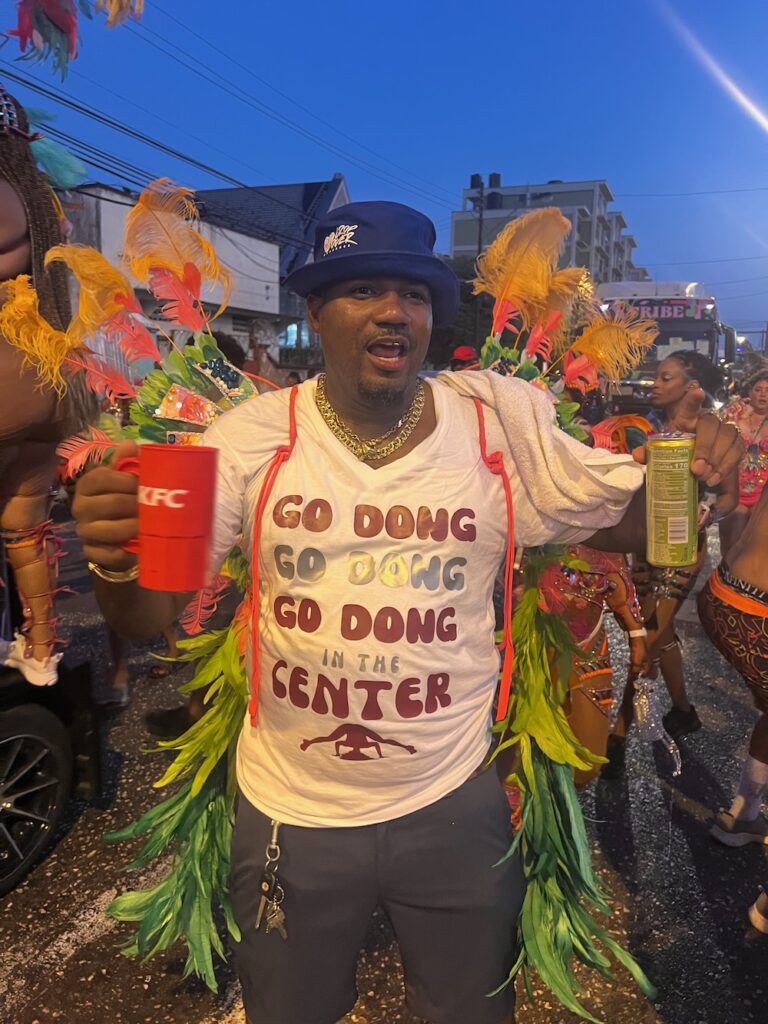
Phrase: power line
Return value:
(59, 96)
(683, 195)
(119, 202)
(733, 298)
(153, 113)
(693, 263)
(190, 63)
(231, 60)
(117, 165)
(740, 280)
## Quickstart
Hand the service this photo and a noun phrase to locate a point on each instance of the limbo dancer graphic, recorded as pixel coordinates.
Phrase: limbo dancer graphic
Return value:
(356, 738)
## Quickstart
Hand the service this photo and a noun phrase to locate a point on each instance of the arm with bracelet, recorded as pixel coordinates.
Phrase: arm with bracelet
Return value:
(106, 516)
(623, 603)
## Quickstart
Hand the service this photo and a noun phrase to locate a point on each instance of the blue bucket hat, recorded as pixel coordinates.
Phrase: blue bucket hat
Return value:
(381, 239)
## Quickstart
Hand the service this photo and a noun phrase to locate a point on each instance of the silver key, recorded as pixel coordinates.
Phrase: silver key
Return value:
(276, 919)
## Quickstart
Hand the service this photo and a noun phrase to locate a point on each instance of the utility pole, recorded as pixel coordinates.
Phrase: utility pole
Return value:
(478, 297)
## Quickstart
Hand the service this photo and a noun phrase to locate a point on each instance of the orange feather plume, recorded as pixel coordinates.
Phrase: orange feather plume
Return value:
(520, 266)
(103, 290)
(158, 233)
(616, 343)
(24, 327)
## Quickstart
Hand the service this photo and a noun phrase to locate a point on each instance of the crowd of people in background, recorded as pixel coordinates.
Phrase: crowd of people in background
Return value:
(732, 605)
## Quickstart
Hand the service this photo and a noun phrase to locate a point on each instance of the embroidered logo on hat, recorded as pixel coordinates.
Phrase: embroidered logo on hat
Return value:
(341, 238)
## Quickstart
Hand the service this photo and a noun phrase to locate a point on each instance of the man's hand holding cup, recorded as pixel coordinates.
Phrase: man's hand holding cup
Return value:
(106, 512)
(156, 501)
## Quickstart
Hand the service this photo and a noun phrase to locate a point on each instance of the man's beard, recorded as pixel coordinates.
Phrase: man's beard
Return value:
(382, 395)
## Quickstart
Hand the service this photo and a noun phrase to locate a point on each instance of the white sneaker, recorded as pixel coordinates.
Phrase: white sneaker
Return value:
(38, 673)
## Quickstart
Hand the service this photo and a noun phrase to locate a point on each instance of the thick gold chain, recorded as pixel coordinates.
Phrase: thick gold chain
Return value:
(370, 449)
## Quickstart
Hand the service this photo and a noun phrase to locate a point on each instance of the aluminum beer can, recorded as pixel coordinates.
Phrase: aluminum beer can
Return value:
(671, 501)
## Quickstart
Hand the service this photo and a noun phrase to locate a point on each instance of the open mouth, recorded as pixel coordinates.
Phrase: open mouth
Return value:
(388, 353)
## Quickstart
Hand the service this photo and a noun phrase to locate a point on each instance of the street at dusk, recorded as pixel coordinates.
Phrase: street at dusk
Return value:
(679, 897)
(383, 512)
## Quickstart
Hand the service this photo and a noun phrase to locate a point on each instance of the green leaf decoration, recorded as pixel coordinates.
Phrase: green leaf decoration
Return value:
(492, 351)
(194, 824)
(563, 895)
(528, 371)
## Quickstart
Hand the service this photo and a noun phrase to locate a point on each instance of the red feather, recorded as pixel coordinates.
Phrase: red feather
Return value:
(504, 313)
(102, 379)
(129, 302)
(183, 308)
(77, 451)
(133, 338)
(191, 279)
(538, 344)
(580, 374)
(203, 605)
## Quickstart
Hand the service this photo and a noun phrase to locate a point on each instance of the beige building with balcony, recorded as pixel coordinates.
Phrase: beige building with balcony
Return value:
(597, 240)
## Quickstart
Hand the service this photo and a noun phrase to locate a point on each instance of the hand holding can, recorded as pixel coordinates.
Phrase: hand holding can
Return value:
(671, 500)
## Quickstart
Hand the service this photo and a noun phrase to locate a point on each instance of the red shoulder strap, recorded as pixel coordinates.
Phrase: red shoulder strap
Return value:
(282, 455)
(495, 463)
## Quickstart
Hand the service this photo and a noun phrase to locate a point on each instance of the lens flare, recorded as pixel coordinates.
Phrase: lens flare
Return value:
(705, 58)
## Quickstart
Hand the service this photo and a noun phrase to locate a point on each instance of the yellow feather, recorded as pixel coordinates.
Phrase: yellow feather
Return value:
(23, 326)
(541, 232)
(616, 343)
(99, 285)
(520, 265)
(158, 234)
(565, 288)
(118, 10)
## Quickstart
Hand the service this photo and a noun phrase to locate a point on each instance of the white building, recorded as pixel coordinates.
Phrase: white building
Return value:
(596, 241)
(98, 213)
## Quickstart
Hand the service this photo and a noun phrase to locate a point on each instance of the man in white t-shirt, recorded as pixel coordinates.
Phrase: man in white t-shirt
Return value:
(373, 666)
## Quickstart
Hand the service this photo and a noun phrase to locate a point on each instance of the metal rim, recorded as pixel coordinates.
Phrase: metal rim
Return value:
(29, 785)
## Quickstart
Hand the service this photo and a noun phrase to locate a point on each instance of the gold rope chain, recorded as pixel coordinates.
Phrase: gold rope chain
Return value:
(370, 449)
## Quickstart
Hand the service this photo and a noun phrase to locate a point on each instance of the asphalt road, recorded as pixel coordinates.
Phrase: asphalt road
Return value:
(679, 898)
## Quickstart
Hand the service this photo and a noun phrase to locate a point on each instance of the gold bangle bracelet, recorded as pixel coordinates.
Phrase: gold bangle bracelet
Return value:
(124, 576)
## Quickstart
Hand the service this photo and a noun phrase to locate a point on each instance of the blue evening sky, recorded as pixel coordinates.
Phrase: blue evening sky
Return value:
(408, 98)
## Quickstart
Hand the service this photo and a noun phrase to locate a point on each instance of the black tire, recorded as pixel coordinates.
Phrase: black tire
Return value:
(35, 786)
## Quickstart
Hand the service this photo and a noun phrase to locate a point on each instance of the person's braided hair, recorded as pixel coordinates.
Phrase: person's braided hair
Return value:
(698, 367)
(19, 168)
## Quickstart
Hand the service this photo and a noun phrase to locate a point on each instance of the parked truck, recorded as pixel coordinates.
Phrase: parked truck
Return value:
(687, 318)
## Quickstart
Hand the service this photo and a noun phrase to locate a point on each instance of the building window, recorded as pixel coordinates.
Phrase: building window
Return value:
(294, 336)
(241, 326)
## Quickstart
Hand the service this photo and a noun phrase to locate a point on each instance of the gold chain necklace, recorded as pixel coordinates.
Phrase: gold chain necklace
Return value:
(370, 449)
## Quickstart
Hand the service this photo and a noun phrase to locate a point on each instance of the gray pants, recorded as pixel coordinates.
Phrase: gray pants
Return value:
(454, 913)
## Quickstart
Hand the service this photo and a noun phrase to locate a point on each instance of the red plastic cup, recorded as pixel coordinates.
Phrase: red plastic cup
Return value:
(177, 489)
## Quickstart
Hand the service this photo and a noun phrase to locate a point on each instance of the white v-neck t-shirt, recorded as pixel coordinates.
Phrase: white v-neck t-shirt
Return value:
(378, 666)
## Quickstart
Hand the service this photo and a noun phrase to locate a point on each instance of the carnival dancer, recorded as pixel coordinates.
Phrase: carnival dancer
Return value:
(663, 591)
(733, 608)
(373, 669)
(34, 417)
(579, 589)
(750, 415)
